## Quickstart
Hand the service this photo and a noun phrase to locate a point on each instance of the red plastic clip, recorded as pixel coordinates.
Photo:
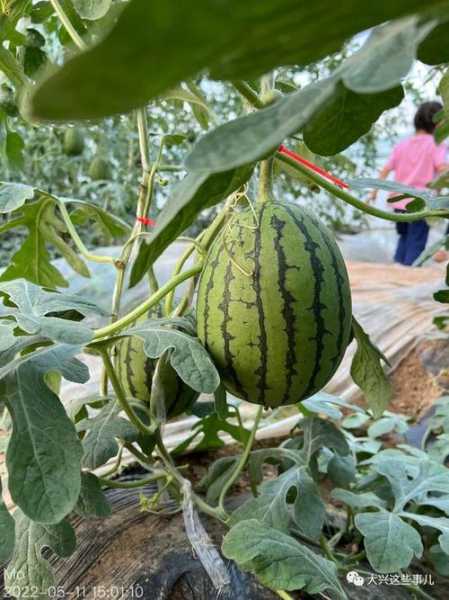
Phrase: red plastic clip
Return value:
(146, 221)
(313, 167)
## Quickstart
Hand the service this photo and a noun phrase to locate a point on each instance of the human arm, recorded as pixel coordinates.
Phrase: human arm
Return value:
(382, 175)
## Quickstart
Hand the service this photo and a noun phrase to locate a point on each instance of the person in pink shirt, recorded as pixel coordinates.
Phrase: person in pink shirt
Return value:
(415, 161)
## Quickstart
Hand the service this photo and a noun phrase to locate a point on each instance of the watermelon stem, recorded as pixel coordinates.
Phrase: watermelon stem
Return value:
(265, 191)
(154, 299)
(242, 462)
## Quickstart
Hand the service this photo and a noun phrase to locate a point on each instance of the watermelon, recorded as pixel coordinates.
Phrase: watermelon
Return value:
(73, 142)
(274, 304)
(99, 169)
(135, 372)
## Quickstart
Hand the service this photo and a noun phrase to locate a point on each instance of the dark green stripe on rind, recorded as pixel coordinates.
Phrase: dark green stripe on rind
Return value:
(262, 369)
(288, 307)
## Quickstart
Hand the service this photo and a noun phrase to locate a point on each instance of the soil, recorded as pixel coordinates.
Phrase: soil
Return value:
(414, 388)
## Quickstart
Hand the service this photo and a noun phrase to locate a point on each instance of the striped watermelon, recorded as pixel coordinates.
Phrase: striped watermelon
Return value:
(274, 305)
(135, 371)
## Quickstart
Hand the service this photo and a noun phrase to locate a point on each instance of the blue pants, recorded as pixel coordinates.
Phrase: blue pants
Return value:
(412, 241)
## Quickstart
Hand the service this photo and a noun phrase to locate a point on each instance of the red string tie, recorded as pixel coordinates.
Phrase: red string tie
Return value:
(313, 167)
(146, 221)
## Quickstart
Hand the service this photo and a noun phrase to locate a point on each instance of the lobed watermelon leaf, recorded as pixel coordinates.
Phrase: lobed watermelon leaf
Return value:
(279, 561)
(103, 430)
(390, 543)
(273, 508)
(28, 572)
(33, 308)
(186, 354)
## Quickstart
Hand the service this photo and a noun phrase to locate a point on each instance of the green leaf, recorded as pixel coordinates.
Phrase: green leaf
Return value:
(32, 261)
(179, 93)
(319, 433)
(439, 560)
(194, 193)
(28, 572)
(135, 52)
(14, 146)
(7, 531)
(216, 476)
(103, 430)
(33, 309)
(92, 501)
(187, 355)
(328, 404)
(279, 561)
(345, 117)
(433, 50)
(109, 225)
(251, 137)
(390, 543)
(208, 429)
(388, 424)
(273, 507)
(355, 421)
(412, 482)
(391, 186)
(440, 523)
(342, 469)
(92, 9)
(367, 372)
(14, 195)
(44, 453)
(364, 500)
(387, 56)
(221, 404)
(7, 338)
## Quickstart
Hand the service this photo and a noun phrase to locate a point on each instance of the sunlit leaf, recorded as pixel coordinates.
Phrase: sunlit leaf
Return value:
(367, 372)
(35, 311)
(14, 195)
(92, 9)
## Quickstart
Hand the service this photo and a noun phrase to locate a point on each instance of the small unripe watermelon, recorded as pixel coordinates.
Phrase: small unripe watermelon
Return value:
(99, 169)
(73, 142)
(135, 371)
(274, 305)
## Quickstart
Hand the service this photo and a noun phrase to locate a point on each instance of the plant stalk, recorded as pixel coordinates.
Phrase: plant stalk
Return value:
(121, 398)
(349, 199)
(77, 39)
(133, 484)
(241, 464)
(154, 299)
(245, 90)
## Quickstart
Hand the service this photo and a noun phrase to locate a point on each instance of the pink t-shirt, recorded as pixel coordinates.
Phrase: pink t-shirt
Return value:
(415, 162)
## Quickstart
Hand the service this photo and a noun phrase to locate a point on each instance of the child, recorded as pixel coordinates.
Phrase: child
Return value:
(416, 161)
